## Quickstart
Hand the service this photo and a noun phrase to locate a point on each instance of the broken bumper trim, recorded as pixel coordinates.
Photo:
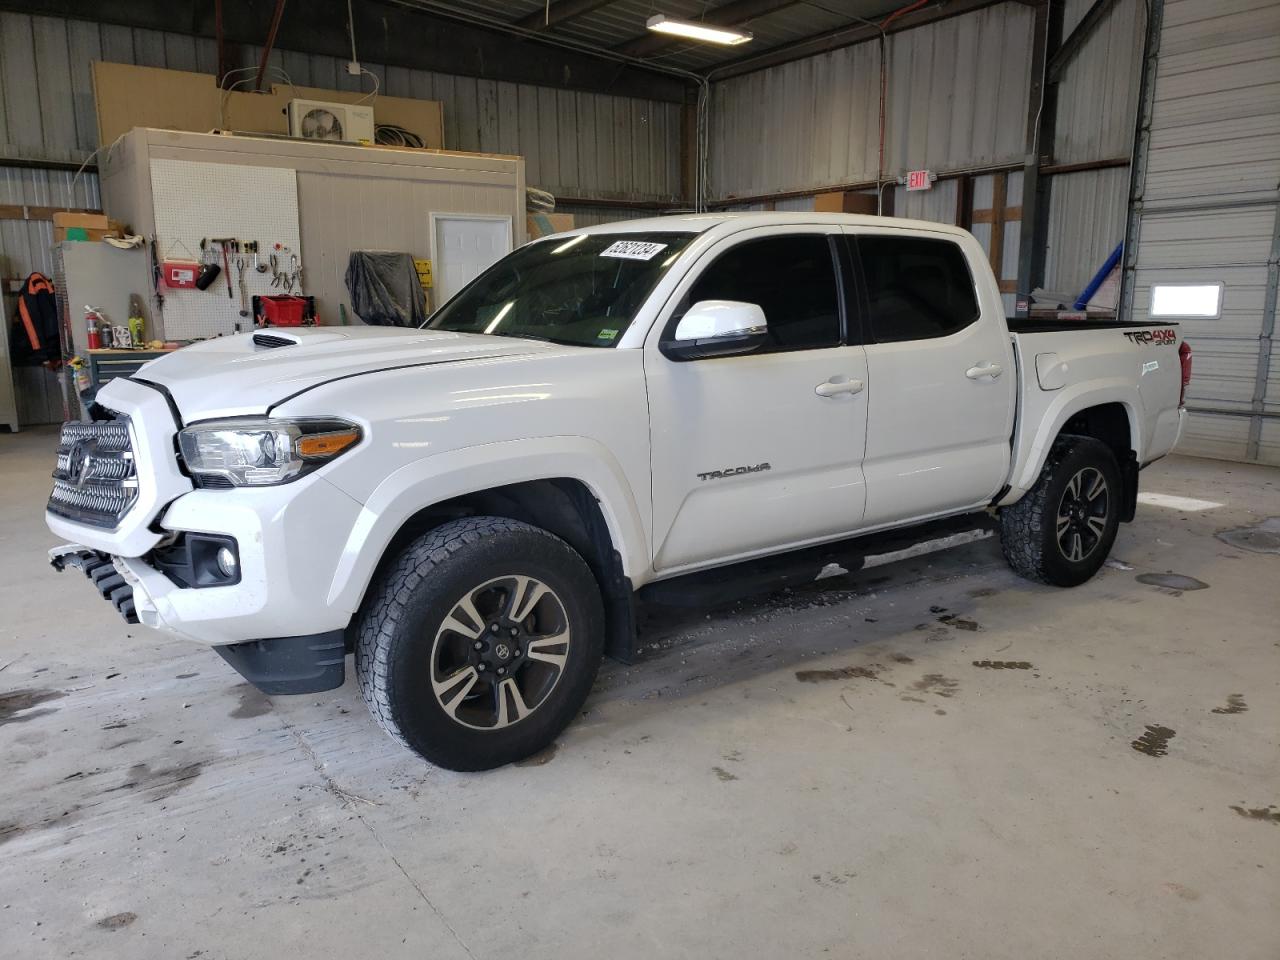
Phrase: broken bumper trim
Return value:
(100, 569)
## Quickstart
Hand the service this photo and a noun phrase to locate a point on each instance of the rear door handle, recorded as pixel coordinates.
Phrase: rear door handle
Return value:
(831, 388)
(992, 370)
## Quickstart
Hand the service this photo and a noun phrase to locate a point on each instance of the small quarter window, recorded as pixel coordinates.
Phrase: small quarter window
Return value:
(1198, 301)
(917, 288)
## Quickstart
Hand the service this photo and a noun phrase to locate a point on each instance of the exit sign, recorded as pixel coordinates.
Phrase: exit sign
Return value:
(919, 180)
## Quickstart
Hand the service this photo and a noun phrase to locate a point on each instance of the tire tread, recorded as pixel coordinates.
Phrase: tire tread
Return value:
(381, 613)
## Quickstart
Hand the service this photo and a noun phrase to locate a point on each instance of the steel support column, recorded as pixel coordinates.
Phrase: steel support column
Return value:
(1042, 117)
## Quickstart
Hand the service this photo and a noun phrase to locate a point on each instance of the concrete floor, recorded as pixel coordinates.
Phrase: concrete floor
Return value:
(931, 758)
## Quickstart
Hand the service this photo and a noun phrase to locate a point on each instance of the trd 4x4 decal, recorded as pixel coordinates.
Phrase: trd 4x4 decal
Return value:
(1160, 338)
(733, 472)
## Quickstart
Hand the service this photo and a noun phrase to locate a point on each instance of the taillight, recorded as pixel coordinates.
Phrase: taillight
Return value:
(1184, 355)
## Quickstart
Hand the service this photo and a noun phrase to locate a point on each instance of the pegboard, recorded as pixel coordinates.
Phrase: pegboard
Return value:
(194, 200)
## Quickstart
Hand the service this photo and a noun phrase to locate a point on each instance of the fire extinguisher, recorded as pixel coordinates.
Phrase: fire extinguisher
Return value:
(91, 317)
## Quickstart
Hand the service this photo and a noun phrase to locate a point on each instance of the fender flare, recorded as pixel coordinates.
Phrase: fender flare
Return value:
(434, 479)
(1066, 404)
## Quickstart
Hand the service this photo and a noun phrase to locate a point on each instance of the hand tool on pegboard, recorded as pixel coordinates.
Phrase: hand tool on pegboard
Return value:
(223, 242)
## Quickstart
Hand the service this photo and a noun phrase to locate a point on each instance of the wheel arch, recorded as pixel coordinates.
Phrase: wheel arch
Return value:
(1110, 414)
(576, 493)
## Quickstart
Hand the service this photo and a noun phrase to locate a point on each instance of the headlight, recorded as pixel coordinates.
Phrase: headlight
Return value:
(261, 452)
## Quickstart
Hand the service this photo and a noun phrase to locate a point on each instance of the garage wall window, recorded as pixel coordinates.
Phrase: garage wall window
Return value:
(792, 278)
(1198, 301)
(917, 289)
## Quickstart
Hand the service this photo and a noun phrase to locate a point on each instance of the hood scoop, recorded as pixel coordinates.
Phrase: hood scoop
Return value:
(271, 340)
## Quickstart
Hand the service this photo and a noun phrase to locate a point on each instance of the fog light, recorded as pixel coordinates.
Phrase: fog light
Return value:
(228, 563)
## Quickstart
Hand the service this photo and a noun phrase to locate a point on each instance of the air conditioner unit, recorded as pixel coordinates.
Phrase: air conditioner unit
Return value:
(319, 120)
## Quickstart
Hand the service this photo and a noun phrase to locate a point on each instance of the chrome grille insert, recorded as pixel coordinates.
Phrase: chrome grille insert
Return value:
(95, 480)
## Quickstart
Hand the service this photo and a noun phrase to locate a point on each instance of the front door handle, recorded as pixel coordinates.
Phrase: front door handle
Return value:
(832, 388)
(992, 370)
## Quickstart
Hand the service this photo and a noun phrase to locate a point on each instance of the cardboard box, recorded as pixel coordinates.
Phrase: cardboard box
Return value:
(95, 225)
(845, 202)
(545, 224)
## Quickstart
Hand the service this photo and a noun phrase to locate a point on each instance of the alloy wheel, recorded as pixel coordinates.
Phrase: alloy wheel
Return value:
(1082, 514)
(500, 652)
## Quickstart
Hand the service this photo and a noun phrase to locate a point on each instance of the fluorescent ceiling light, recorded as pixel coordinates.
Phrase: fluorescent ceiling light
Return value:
(707, 32)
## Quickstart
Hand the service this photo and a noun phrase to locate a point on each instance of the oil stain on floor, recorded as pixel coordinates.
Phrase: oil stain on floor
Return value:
(936, 684)
(1262, 538)
(1155, 742)
(1235, 704)
(15, 703)
(253, 703)
(1171, 581)
(1002, 664)
(1267, 814)
(839, 673)
(951, 620)
(117, 920)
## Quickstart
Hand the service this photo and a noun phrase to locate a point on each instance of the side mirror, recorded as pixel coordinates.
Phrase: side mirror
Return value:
(717, 328)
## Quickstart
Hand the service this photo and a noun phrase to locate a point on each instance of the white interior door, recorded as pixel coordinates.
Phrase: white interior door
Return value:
(465, 246)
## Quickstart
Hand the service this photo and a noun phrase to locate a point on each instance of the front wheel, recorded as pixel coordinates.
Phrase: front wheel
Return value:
(1062, 530)
(481, 642)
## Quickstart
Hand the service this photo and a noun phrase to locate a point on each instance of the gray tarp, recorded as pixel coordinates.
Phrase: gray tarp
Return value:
(385, 290)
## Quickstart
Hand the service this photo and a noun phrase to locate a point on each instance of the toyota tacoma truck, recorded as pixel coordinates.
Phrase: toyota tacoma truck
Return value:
(469, 509)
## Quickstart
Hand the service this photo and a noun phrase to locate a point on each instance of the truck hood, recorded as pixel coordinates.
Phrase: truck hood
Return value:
(248, 373)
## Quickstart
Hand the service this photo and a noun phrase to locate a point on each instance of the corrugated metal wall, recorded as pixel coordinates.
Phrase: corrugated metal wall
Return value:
(1098, 92)
(1210, 211)
(574, 143)
(957, 100)
(1097, 112)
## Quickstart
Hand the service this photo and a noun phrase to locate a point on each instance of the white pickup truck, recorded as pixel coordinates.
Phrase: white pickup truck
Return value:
(470, 508)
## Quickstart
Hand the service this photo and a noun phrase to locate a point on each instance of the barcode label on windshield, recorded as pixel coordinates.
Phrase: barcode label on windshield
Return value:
(633, 250)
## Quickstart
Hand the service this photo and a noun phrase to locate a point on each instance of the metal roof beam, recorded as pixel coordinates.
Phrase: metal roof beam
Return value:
(847, 36)
(1073, 44)
(732, 14)
(397, 33)
(559, 12)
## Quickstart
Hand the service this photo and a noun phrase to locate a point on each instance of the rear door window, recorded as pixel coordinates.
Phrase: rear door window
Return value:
(917, 288)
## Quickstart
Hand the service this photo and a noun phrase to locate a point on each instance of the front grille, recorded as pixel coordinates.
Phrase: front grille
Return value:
(95, 480)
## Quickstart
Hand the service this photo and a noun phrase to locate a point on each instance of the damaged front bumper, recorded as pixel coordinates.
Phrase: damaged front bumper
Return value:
(99, 568)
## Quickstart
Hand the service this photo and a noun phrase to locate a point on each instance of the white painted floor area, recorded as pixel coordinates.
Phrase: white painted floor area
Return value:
(927, 759)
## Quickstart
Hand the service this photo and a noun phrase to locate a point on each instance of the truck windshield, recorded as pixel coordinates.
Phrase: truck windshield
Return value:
(582, 290)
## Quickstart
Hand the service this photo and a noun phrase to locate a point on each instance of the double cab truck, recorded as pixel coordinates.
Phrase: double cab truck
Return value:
(468, 509)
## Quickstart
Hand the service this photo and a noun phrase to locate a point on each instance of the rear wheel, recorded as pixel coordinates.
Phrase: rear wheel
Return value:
(1062, 530)
(481, 643)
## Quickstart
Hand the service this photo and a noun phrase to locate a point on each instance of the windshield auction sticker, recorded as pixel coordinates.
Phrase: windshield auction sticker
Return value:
(633, 250)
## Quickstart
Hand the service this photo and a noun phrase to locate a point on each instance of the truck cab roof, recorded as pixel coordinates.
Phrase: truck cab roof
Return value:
(732, 222)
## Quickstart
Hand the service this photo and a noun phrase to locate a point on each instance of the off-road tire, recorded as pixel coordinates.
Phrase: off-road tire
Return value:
(412, 598)
(1028, 534)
